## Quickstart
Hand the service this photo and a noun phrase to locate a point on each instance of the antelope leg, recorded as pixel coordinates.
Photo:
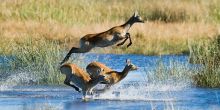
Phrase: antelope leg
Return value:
(130, 41)
(122, 42)
(67, 82)
(127, 35)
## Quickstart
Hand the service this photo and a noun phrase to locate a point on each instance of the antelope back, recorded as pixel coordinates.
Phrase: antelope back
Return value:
(72, 69)
(94, 68)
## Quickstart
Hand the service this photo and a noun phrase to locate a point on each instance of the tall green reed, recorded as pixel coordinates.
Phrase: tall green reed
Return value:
(40, 57)
(206, 53)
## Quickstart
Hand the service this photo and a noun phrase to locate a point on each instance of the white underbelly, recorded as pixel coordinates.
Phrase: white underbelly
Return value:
(107, 42)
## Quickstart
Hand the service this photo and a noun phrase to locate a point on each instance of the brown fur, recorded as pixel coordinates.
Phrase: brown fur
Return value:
(80, 78)
(115, 77)
(104, 35)
(107, 38)
(78, 72)
(112, 76)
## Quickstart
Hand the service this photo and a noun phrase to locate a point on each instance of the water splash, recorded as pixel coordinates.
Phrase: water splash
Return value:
(141, 91)
(18, 78)
(139, 86)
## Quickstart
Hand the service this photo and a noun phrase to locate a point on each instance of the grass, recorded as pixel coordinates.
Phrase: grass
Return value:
(172, 73)
(170, 24)
(207, 53)
(38, 31)
(40, 58)
(151, 38)
(81, 12)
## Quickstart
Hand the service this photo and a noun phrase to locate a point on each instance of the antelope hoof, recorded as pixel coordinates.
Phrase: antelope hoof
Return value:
(129, 45)
(77, 89)
(91, 93)
(119, 44)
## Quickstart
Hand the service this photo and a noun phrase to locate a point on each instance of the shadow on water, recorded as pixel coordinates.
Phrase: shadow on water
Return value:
(136, 91)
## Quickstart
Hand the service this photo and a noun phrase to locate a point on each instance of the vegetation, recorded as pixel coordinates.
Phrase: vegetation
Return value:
(40, 58)
(169, 23)
(207, 53)
(177, 74)
(37, 32)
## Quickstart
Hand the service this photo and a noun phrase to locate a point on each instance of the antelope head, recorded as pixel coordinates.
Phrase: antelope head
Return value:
(136, 17)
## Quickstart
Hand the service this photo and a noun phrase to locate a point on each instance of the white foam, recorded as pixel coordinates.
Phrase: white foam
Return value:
(17, 79)
(150, 92)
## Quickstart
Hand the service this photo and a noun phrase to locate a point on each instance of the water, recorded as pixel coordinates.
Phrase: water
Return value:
(136, 91)
(56, 97)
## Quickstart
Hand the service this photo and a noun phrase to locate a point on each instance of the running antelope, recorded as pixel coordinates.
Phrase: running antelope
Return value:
(80, 78)
(107, 38)
(112, 76)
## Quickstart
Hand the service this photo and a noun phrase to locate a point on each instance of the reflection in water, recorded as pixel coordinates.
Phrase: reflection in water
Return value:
(78, 104)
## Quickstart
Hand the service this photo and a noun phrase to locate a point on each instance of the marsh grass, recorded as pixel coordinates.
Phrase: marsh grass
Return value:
(36, 61)
(172, 73)
(87, 11)
(168, 25)
(215, 11)
(207, 53)
(38, 57)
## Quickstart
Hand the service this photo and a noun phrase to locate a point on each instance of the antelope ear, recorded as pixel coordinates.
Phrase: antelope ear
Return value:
(128, 61)
(135, 13)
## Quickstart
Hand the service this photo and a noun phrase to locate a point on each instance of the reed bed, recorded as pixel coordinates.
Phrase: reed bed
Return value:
(172, 73)
(41, 60)
(207, 53)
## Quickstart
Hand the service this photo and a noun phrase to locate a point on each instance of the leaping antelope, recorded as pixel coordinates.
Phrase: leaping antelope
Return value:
(112, 76)
(107, 38)
(80, 78)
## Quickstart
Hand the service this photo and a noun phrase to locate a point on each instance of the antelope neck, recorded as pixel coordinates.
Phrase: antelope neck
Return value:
(94, 82)
(124, 72)
(128, 24)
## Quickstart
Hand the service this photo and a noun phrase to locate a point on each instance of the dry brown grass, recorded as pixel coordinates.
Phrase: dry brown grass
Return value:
(170, 23)
(149, 38)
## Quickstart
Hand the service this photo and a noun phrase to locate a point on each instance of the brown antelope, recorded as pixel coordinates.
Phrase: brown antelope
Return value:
(80, 78)
(112, 76)
(107, 38)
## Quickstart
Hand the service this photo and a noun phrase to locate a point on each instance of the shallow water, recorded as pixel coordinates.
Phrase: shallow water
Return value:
(56, 97)
(134, 92)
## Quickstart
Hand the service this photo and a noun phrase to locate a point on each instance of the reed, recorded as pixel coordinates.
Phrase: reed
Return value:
(172, 73)
(207, 54)
(40, 58)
